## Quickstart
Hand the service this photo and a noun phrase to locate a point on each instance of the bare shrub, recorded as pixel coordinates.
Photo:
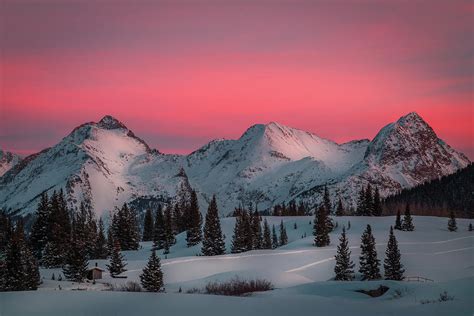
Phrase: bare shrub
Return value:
(130, 286)
(238, 287)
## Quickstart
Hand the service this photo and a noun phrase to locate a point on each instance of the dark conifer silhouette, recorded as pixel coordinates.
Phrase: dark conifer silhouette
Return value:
(368, 262)
(152, 277)
(344, 268)
(213, 241)
(392, 265)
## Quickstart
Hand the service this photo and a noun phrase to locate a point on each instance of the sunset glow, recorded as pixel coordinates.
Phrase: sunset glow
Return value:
(182, 74)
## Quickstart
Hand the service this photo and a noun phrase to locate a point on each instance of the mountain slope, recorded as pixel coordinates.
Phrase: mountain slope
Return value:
(7, 161)
(105, 165)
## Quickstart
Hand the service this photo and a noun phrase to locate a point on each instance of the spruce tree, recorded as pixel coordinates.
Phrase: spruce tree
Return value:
(75, 268)
(398, 221)
(275, 242)
(101, 251)
(407, 224)
(470, 227)
(327, 201)
(152, 277)
(257, 236)
(213, 241)
(242, 239)
(169, 232)
(452, 226)
(117, 264)
(110, 241)
(361, 203)
(368, 262)
(159, 234)
(340, 208)
(392, 265)
(344, 268)
(377, 203)
(91, 231)
(320, 228)
(283, 235)
(193, 234)
(267, 236)
(39, 230)
(148, 226)
(369, 201)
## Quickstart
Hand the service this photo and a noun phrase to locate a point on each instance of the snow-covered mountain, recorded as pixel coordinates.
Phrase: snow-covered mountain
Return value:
(105, 164)
(7, 161)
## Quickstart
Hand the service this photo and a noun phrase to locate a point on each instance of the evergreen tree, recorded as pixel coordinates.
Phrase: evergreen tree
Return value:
(159, 234)
(267, 236)
(126, 228)
(340, 208)
(101, 250)
(193, 234)
(327, 201)
(361, 203)
(452, 227)
(169, 232)
(213, 243)
(283, 235)
(110, 241)
(398, 221)
(320, 228)
(117, 264)
(91, 232)
(39, 230)
(152, 277)
(5, 230)
(344, 268)
(257, 236)
(393, 268)
(75, 268)
(275, 242)
(242, 239)
(368, 262)
(369, 201)
(470, 227)
(407, 224)
(19, 270)
(148, 226)
(377, 203)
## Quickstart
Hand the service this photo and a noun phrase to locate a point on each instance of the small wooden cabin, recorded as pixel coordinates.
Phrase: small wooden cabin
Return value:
(94, 273)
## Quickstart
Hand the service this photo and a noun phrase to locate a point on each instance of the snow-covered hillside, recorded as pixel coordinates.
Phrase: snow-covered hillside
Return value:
(105, 164)
(302, 275)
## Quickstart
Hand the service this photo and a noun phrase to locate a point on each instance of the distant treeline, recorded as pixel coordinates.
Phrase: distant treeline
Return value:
(437, 197)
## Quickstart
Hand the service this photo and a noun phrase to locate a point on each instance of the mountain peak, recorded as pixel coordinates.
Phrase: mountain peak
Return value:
(110, 122)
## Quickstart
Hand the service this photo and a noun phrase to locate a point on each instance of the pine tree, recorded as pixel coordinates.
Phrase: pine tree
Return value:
(393, 268)
(213, 242)
(169, 231)
(470, 227)
(452, 227)
(407, 224)
(368, 262)
(117, 264)
(283, 235)
(242, 239)
(340, 208)
(148, 226)
(275, 242)
(159, 234)
(267, 236)
(39, 230)
(110, 241)
(398, 221)
(75, 268)
(377, 203)
(257, 236)
(101, 251)
(361, 203)
(91, 232)
(125, 228)
(369, 201)
(344, 268)
(193, 234)
(320, 228)
(327, 201)
(5, 230)
(152, 277)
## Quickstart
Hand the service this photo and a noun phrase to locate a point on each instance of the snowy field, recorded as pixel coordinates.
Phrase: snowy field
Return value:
(302, 275)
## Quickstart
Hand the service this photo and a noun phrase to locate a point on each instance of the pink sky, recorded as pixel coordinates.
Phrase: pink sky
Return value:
(181, 73)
